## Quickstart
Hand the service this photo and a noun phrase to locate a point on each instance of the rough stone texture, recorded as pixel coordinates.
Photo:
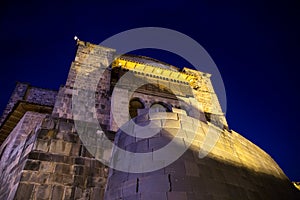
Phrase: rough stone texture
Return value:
(50, 163)
(18, 94)
(25, 98)
(14, 152)
(234, 169)
(91, 66)
(43, 156)
(25, 92)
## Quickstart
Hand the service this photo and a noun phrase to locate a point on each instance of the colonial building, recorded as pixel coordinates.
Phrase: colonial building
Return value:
(52, 149)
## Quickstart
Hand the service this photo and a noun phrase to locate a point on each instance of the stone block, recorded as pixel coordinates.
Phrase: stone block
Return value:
(184, 118)
(63, 169)
(64, 126)
(96, 193)
(47, 166)
(170, 132)
(60, 147)
(58, 158)
(218, 175)
(163, 115)
(32, 165)
(155, 183)
(45, 156)
(114, 193)
(130, 188)
(68, 160)
(231, 177)
(158, 142)
(170, 123)
(79, 181)
(46, 134)
(191, 168)
(78, 193)
(75, 150)
(130, 147)
(48, 123)
(42, 145)
(79, 161)
(154, 195)
(33, 155)
(189, 126)
(214, 187)
(180, 183)
(90, 182)
(179, 111)
(126, 140)
(39, 177)
(142, 146)
(70, 137)
(147, 131)
(177, 196)
(176, 168)
(80, 170)
(68, 193)
(43, 191)
(24, 191)
(132, 197)
(55, 178)
(68, 179)
(171, 152)
(57, 192)
(25, 176)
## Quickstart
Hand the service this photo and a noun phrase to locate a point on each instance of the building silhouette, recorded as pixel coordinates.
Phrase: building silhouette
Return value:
(51, 147)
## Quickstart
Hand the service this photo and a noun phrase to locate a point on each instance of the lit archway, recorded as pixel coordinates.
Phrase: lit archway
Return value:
(160, 107)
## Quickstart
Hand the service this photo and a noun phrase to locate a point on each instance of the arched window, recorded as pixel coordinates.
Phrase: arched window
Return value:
(160, 107)
(134, 105)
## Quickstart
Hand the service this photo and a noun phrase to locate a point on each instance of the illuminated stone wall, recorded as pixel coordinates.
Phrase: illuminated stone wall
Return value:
(234, 169)
(89, 61)
(44, 158)
(185, 84)
(25, 92)
(16, 108)
(14, 152)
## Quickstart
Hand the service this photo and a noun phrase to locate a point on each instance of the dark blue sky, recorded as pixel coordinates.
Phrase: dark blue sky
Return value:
(255, 45)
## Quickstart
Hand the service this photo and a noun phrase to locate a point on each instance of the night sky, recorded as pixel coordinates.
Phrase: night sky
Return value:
(255, 45)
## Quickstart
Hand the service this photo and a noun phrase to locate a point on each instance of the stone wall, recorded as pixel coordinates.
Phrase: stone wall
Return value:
(25, 92)
(234, 169)
(18, 94)
(88, 72)
(59, 166)
(14, 152)
(185, 83)
(204, 93)
(41, 96)
(44, 157)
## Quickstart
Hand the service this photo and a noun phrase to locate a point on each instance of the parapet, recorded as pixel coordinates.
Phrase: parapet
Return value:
(25, 98)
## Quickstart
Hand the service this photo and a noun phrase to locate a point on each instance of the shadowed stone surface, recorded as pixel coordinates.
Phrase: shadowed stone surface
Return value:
(43, 157)
(234, 169)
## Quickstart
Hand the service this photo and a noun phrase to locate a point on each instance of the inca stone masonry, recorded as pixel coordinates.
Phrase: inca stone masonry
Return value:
(42, 156)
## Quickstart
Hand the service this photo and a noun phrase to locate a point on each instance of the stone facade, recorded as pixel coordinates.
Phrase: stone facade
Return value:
(234, 169)
(43, 156)
(14, 153)
(25, 98)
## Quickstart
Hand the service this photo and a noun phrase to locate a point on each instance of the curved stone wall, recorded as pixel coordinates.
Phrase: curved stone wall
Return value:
(234, 169)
